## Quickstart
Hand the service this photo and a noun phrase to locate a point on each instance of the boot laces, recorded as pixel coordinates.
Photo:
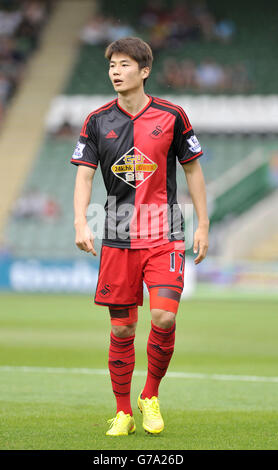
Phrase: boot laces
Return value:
(153, 407)
(116, 422)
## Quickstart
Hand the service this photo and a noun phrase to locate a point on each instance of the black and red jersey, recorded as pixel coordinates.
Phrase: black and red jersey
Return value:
(137, 156)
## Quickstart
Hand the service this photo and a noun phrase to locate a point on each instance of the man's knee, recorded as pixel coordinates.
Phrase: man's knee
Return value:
(163, 318)
(123, 321)
(124, 331)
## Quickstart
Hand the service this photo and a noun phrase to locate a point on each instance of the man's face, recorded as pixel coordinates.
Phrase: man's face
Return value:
(125, 74)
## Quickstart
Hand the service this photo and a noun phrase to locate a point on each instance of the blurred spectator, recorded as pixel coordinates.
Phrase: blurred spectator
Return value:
(163, 26)
(224, 30)
(21, 24)
(94, 32)
(102, 30)
(171, 75)
(188, 71)
(34, 12)
(9, 20)
(65, 130)
(4, 89)
(152, 14)
(117, 30)
(208, 76)
(240, 80)
(205, 20)
(185, 21)
(168, 28)
(9, 51)
(158, 35)
(11, 63)
(183, 25)
(36, 205)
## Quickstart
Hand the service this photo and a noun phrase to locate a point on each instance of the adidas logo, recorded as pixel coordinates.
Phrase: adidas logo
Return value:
(179, 278)
(111, 135)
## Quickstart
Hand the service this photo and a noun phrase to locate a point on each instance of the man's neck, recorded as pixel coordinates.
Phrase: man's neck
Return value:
(133, 102)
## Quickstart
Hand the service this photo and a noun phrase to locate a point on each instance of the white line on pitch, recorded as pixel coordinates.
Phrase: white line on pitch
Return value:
(139, 373)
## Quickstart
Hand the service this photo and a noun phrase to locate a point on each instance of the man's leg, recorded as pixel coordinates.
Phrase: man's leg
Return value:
(121, 365)
(160, 348)
(164, 271)
(122, 355)
(164, 274)
(120, 288)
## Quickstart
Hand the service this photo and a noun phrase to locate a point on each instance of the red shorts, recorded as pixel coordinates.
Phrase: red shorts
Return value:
(122, 272)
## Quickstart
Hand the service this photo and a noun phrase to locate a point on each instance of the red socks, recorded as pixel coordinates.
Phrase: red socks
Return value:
(160, 349)
(121, 364)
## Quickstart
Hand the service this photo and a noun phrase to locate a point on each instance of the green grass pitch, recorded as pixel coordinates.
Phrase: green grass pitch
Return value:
(226, 399)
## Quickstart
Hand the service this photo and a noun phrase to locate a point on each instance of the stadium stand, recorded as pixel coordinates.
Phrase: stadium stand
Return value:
(21, 28)
(51, 236)
(244, 63)
(256, 228)
(29, 106)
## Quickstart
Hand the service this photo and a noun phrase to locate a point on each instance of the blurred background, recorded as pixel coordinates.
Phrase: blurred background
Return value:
(218, 60)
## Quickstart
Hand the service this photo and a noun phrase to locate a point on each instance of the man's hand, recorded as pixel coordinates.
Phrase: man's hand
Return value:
(84, 238)
(201, 243)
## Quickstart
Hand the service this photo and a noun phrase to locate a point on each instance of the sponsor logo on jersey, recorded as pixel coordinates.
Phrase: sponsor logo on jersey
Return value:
(157, 132)
(78, 151)
(194, 144)
(111, 135)
(134, 167)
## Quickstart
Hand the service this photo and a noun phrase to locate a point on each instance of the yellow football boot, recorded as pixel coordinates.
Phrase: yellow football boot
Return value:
(152, 419)
(122, 425)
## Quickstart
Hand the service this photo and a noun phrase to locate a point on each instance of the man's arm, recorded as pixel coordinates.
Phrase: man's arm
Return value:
(196, 186)
(82, 195)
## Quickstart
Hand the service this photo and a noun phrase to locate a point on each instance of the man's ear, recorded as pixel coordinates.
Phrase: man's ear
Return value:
(145, 72)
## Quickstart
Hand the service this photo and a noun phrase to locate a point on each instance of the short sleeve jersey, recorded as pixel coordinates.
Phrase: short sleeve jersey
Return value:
(137, 155)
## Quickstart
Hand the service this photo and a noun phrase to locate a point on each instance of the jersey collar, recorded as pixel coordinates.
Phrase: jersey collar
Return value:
(138, 114)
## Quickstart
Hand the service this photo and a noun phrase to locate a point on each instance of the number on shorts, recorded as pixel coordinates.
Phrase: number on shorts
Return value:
(173, 262)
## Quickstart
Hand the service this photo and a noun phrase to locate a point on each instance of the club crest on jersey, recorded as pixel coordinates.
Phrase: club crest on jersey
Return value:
(194, 144)
(157, 132)
(78, 151)
(134, 167)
